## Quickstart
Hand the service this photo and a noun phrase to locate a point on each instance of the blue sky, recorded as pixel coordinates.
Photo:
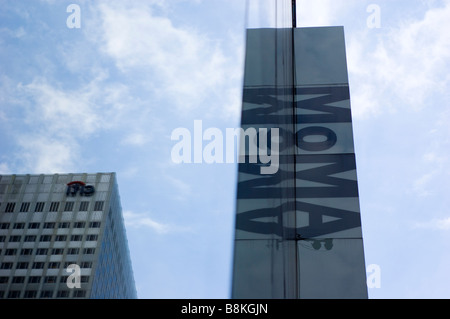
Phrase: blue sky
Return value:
(107, 96)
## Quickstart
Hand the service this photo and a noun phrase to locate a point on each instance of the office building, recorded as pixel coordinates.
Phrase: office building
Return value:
(63, 236)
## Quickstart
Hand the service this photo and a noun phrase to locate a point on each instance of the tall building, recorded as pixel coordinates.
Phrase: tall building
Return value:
(63, 236)
(298, 230)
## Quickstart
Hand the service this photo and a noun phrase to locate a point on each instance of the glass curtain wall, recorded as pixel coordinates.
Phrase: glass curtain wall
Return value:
(298, 229)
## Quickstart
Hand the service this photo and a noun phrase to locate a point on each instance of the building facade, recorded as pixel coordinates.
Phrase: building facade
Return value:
(63, 236)
(298, 231)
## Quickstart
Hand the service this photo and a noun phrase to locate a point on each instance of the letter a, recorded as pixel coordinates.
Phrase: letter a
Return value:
(181, 152)
(73, 20)
(74, 280)
(374, 20)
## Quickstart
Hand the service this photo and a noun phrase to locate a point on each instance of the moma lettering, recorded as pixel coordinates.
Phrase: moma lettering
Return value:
(317, 168)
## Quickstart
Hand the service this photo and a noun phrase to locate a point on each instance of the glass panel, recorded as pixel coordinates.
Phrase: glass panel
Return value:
(263, 266)
(48, 180)
(105, 178)
(91, 178)
(31, 188)
(298, 230)
(320, 56)
(332, 268)
(5, 179)
(33, 180)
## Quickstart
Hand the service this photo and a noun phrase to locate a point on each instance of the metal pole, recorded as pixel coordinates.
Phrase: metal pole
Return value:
(294, 13)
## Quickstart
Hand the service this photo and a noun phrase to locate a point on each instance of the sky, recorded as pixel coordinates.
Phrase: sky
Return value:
(102, 88)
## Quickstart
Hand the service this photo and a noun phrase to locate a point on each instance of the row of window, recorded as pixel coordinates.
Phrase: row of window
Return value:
(44, 294)
(54, 206)
(38, 279)
(48, 225)
(48, 238)
(41, 265)
(44, 251)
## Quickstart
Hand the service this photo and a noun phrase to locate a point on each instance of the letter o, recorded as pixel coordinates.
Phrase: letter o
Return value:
(331, 138)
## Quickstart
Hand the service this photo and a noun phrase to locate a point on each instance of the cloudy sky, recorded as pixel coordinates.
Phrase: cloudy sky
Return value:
(107, 94)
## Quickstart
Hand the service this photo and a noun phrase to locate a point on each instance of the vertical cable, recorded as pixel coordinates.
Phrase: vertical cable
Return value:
(294, 121)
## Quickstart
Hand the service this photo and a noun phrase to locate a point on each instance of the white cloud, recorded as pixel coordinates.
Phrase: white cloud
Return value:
(144, 220)
(56, 121)
(406, 66)
(182, 190)
(47, 155)
(436, 224)
(4, 168)
(180, 63)
(136, 139)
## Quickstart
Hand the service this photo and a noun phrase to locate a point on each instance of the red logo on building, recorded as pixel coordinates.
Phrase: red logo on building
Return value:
(79, 187)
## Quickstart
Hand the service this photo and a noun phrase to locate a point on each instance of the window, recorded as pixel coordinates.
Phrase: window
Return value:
(26, 252)
(64, 225)
(84, 279)
(34, 279)
(24, 207)
(86, 264)
(19, 226)
(2, 239)
(79, 293)
(22, 265)
(49, 225)
(94, 224)
(41, 251)
(10, 252)
(38, 265)
(29, 238)
(39, 207)
(68, 206)
(6, 266)
(84, 206)
(62, 294)
(4, 280)
(89, 251)
(30, 294)
(45, 238)
(50, 279)
(4, 225)
(46, 293)
(98, 205)
(63, 279)
(14, 239)
(79, 225)
(33, 225)
(73, 251)
(57, 251)
(91, 237)
(60, 238)
(14, 294)
(76, 237)
(10, 207)
(54, 206)
(53, 265)
(68, 263)
(18, 280)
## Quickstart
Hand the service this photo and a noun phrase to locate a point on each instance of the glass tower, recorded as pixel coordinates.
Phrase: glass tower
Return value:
(63, 236)
(298, 228)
